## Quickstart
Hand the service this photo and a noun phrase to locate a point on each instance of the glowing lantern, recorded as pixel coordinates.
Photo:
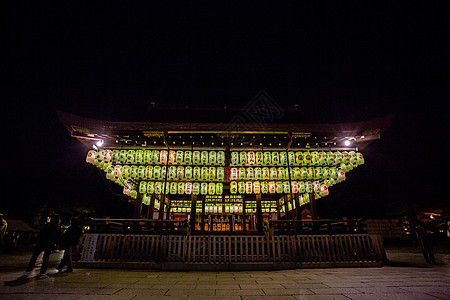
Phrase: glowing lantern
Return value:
(107, 154)
(248, 187)
(250, 173)
(256, 187)
(265, 173)
(311, 172)
(212, 173)
(341, 175)
(272, 187)
(301, 187)
(318, 173)
(173, 188)
(233, 187)
(286, 187)
(322, 158)
(307, 158)
(130, 156)
(188, 188)
(179, 157)
(291, 158)
(126, 171)
(279, 187)
(273, 173)
(99, 155)
(172, 173)
(242, 173)
(133, 194)
(344, 167)
(146, 199)
(275, 158)
(303, 173)
(204, 157)
(90, 158)
(281, 173)
(204, 173)
(155, 156)
(243, 158)
(219, 188)
(359, 158)
(133, 172)
(234, 158)
(188, 172)
(267, 158)
(157, 172)
(258, 173)
(188, 157)
(314, 158)
(264, 187)
(241, 187)
(180, 173)
(139, 157)
(296, 173)
(110, 172)
(234, 173)
(142, 187)
(333, 173)
(251, 158)
(163, 156)
(221, 157)
(326, 172)
(203, 188)
(352, 157)
(141, 172)
(212, 157)
(196, 188)
(158, 187)
(337, 157)
(220, 173)
(123, 156)
(283, 158)
(127, 188)
(294, 186)
(330, 158)
(316, 186)
(345, 157)
(180, 188)
(115, 156)
(147, 156)
(117, 171)
(324, 190)
(151, 187)
(196, 157)
(308, 187)
(197, 173)
(259, 158)
(298, 158)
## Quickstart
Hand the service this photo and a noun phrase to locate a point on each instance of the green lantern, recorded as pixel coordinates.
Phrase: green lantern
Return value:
(154, 157)
(163, 156)
(258, 173)
(307, 158)
(141, 172)
(283, 158)
(220, 173)
(126, 171)
(197, 173)
(179, 157)
(234, 173)
(303, 173)
(146, 199)
(291, 158)
(219, 188)
(267, 158)
(196, 158)
(180, 172)
(296, 173)
(173, 188)
(196, 188)
(212, 173)
(234, 158)
(344, 167)
(130, 156)
(259, 158)
(359, 158)
(188, 157)
(204, 157)
(115, 156)
(163, 172)
(264, 187)
(180, 188)
(326, 172)
(212, 157)
(142, 187)
(151, 187)
(301, 187)
(123, 156)
(330, 158)
(311, 172)
(345, 157)
(251, 158)
(242, 173)
(275, 158)
(243, 158)
(221, 157)
(204, 173)
(133, 172)
(272, 187)
(139, 158)
(318, 173)
(158, 187)
(157, 172)
(337, 157)
(314, 158)
(265, 173)
(147, 156)
(233, 187)
(172, 173)
(90, 158)
(250, 173)
(352, 157)
(188, 172)
(322, 158)
(308, 187)
(279, 187)
(241, 187)
(203, 188)
(188, 188)
(281, 173)
(333, 173)
(273, 173)
(298, 158)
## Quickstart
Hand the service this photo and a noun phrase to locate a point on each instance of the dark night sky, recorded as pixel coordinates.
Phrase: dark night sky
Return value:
(341, 62)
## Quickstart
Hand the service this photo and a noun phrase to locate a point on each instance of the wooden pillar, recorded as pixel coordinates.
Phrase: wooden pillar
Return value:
(297, 207)
(193, 211)
(151, 207)
(312, 201)
(259, 221)
(202, 223)
(138, 206)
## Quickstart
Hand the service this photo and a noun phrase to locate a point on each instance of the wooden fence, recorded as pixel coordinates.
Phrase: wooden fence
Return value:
(298, 251)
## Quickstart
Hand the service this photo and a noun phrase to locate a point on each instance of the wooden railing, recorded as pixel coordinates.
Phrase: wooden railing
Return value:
(300, 249)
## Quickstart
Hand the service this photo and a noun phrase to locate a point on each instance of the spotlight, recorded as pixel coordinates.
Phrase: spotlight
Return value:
(347, 143)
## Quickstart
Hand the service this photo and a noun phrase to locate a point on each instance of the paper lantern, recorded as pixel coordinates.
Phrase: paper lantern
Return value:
(333, 173)
(203, 188)
(314, 158)
(291, 158)
(242, 173)
(130, 156)
(163, 172)
(267, 158)
(294, 187)
(316, 186)
(163, 156)
(273, 173)
(341, 175)
(157, 172)
(117, 171)
(188, 188)
(272, 187)
(99, 155)
(204, 157)
(142, 187)
(126, 171)
(234, 158)
(219, 188)
(324, 190)
(352, 157)
(251, 158)
(158, 187)
(241, 187)
(248, 187)
(243, 158)
(234, 173)
(310, 174)
(180, 172)
(196, 188)
(275, 158)
(139, 157)
(115, 156)
(306, 158)
(283, 158)
(220, 173)
(133, 194)
(326, 172)
(151, 187)
(188, 172)
(359, 158)
(196, 157)
(172, 173)
(296, 173)
(133, 172)
(180, 188)
(308, 187)
(147, 156)
(279, 187)
(337, 157)
(301, 187)
(345, 157)
(256, 187)
(173, 188)
(155, 157)
(258, 173)
(221, 157)
(250, 173)
(318, 173)
(281, 173)
(127, 188)
(330, 158)
(298, 158)
(146, 199)
(107, 154)
(259, 158)
(212, 157)
(286, 187)
(90, 158)
(303, 173)
(110, 172)
(264, 187)
(233, 187)
(123, 156)
(188, 157)
(204, 173)
(212, 173)
(265, 173)
(197, 173)
(344, 167)
(141, 172)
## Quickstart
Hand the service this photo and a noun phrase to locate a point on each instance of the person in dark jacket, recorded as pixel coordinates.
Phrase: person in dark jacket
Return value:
(69, 241)
(48, 237)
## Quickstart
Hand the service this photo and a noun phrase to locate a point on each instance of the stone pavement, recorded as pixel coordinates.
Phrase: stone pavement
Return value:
(406, 277)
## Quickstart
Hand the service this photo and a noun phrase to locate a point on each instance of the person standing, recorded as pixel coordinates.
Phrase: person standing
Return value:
(69, 242)
(48, 237)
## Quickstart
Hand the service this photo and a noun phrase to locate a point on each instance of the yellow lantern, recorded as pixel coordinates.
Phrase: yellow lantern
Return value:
(306, 158)
(197, 173)
(196, 188)
(242, 173)
(298, 158)
(243, 158)
(265, 173)
(188, 172)
(322, 158)
(281, 173)
(219, 188)
(275, 158)
(264, 187)
(163, 156)
(151, 187)
(147, 156)
(204, 157)
(296, 173)
(259, 158)
(318, 173)
(110, 172)
(291, 158)
(220, 173)
(337, 157)
(142, 187)
(123, 156)
(139, 158)
(203, 188)
(326, 172)
(158, 187)
(188, 157)
(251, 158)
(115, 156)
(196, 158)
(330, 158)
(301, 187)
(154, 157)
(314, 158)
(258, 173)
(188, 188)
(157, 172)
(180, 188)
(267, 158)
(250, 173)
(117, 171)
(310, 174)
(333, 173)
(212, 173)
(212, 157)
(130, 156)
(133, 172)
(359, 158)
(256, 187)
(204, 173)
(126, 171)
(179, 157)
(172, 173)
(146, 199)
(233, 187)
(345, 157)
(211, 188)
(173, 188)
(241, 187)
(272, 187)
(234, 158)
(308, 187)
(221, 157)
(248, 187)
(180, 173)
(352, 158)
(279, 187)
(283, 158)
(273, 173)
(141, 172)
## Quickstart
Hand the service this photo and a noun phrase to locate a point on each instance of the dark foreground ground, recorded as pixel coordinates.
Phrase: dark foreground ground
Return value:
(406, 276)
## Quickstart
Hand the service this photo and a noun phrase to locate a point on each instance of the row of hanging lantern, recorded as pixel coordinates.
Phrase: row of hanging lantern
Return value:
(180, 188)
(242, 158)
